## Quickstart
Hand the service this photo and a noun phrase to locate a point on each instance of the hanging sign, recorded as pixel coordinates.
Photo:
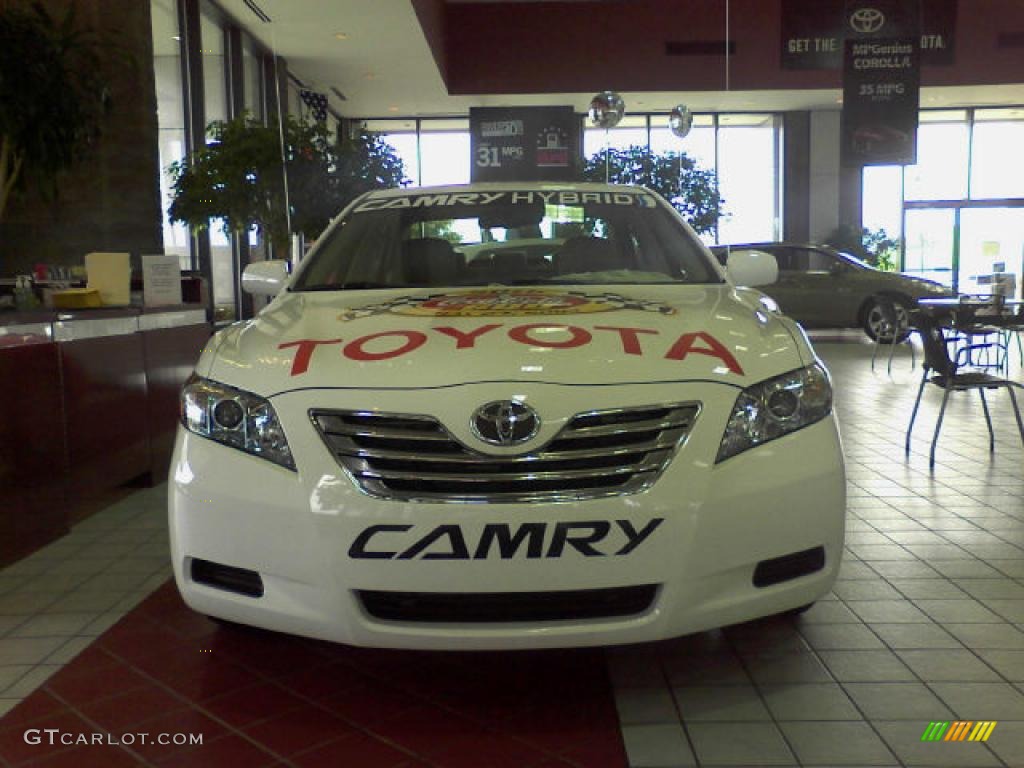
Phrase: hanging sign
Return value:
(813, 32)
(523, 143)
(881, 82)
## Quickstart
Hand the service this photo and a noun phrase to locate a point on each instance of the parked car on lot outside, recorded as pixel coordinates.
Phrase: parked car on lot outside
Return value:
(820, 287)
(507, 416)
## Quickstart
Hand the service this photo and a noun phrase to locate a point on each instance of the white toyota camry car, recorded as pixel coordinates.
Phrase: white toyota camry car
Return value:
(507, 416)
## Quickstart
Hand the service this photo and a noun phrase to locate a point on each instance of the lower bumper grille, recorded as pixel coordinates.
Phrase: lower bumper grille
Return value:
(507, 607)
(792, 566)
(227, 577)
(413, 457)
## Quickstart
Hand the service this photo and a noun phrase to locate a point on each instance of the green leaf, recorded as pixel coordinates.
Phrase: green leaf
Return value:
(239, 177)
(673, 175)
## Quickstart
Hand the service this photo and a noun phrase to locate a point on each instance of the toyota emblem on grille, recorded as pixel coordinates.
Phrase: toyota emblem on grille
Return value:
(867, 20)
(505, 422)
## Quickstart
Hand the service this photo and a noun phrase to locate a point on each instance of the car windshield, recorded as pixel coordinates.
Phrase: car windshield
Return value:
(506, 238)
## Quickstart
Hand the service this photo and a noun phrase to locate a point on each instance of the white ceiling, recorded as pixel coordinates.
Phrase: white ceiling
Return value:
(385, 67)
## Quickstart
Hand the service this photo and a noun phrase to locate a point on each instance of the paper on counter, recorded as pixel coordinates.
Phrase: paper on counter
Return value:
(161, 280)
(110, 274)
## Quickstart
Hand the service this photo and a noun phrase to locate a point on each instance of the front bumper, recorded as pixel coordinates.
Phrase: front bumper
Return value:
(301, 531)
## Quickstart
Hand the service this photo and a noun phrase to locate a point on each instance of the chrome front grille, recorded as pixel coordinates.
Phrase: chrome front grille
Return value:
(599, 453)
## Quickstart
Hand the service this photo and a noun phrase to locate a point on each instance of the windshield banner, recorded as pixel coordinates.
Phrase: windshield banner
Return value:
(526, 197)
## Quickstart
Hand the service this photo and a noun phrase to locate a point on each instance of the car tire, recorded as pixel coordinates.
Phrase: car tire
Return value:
(872, 319)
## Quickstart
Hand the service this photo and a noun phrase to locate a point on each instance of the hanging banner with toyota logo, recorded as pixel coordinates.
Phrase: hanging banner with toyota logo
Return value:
(881, 82)
(813, 32)
(523, 143)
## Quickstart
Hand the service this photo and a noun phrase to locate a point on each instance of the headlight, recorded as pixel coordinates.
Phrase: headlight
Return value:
(775, 408)
(234, 417)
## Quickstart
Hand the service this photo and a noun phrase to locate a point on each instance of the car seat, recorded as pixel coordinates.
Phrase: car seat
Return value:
(431, 261)
(588, 254)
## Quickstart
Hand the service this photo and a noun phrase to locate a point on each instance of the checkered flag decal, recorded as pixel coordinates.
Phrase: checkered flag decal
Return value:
(625, 302)
(396, 305)
(388, 306)
(317, 104)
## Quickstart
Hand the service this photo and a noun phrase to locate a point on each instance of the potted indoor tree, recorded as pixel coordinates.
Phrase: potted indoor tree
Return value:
(674, 175)
(873, 246)
(239, 177)
(53, 96)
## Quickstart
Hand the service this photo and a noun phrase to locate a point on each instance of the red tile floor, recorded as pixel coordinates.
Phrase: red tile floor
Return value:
(263, 699)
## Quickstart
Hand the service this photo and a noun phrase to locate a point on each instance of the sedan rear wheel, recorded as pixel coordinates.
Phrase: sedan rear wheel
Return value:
(877, 328)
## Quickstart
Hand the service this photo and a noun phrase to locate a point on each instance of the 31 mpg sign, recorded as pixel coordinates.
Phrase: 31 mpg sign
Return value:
(523, 143)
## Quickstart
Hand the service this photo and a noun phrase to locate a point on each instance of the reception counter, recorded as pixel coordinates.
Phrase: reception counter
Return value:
(88, 402)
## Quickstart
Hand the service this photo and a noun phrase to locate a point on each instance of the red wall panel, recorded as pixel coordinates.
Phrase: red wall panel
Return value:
(580, 47)
(32, 450)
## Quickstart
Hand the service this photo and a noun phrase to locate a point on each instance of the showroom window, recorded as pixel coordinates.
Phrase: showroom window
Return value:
(699, 144)
(215, 104)
(252, 78)
(296, 106)
(959, 211)
(883, 199)
(212, 46)
(742, 149)
(433, 151)
(631, 131)
(748, 178)
(997, 154)
(402, 136)
(941, 169)
(170, 118)
(444, 152)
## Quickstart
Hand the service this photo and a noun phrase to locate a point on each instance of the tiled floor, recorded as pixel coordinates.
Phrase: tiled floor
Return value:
(56, 602)
(261, 699)
(925, 624)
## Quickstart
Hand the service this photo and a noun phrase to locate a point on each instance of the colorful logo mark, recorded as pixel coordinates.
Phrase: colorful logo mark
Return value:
(959, 730)
(506, 302)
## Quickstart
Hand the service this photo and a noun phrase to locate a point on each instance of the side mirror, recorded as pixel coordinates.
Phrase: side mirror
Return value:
(265, 278)
(752, 268)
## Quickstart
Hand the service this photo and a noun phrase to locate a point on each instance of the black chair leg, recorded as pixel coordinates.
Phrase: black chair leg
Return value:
(938, 426)
(913, 413)
(1016, 412)
(988, 421)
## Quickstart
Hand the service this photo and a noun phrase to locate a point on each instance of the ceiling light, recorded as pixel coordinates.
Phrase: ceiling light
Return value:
(341, 35)
(392, 108)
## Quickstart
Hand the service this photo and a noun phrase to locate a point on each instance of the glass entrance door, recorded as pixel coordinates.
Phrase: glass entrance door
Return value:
(930, 235)
(962, 246)
(991, 240)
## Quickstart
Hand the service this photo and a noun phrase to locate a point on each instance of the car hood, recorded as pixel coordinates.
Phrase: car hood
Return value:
(581, 335)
